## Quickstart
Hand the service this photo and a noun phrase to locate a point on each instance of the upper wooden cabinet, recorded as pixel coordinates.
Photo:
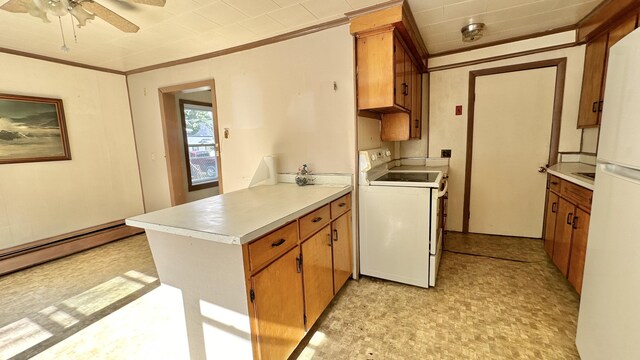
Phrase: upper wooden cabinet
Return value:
(390, 57)
(593, 80)
(385, 73)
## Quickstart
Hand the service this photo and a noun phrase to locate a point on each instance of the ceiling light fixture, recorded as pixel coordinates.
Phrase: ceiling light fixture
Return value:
(81, 10)
(472, 32)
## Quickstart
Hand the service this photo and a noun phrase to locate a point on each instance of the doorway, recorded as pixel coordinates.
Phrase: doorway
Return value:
(191, 139)
(513, 134)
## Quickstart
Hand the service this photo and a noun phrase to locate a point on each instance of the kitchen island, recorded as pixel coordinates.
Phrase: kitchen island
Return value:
(220, 252)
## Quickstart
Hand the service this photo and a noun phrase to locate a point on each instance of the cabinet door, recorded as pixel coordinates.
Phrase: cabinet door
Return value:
(562, 236)
(578, 248)
(278, 306)
(341, 229)
(399, 72)
(318, 274)
(592, 82)
(375, 77)
(416, 104)
(409, 69)
(550, 222)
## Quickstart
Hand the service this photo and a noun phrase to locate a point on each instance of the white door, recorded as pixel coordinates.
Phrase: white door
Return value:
(511, 140)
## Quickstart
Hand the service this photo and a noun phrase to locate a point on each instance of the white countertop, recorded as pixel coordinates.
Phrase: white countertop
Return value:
(567, 172)
(240, 216)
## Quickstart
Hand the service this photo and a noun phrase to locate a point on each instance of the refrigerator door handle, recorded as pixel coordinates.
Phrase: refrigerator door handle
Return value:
(622, 172)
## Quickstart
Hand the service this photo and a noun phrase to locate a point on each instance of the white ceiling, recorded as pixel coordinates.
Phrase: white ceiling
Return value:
(184, 28)
(440, 21)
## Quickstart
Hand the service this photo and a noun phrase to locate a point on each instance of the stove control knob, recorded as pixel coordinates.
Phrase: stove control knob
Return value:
(373, 157)
(388, 153)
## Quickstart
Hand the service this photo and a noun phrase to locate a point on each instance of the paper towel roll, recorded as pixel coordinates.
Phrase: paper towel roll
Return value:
(267, 172)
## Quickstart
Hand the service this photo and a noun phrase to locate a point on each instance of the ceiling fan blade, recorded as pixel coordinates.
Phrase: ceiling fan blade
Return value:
(150, 2)
(17, 6)
(110, 17)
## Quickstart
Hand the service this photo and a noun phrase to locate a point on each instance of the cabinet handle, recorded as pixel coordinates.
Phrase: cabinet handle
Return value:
(554, 183)
(569, 218)
(315, 220)
(594, 107)
(554, 207)
(335, 234)
(575, 222)
(298, 265)
(330, 239)
(600, 106)
(278, 243)
(342, 204)
(417, 123)
(405, 89)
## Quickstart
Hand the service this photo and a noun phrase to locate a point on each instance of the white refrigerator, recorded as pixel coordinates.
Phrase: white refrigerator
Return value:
(609, 319)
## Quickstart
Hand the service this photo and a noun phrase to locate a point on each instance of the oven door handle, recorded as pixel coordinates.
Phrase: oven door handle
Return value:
(444, 191)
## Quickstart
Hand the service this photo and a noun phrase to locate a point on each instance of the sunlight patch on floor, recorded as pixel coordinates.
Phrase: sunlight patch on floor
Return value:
(20, 336)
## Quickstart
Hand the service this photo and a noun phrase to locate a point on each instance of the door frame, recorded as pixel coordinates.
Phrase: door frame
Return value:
(561, 69)
(171, 134)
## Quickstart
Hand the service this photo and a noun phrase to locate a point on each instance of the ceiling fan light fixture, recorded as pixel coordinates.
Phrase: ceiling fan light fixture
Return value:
(472, 32)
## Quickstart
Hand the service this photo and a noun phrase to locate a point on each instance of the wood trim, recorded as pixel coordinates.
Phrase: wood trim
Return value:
(561, 64)
(372, 9)
(243, 47)
(59, 61)
(603, 17)
(170, 135)
(172, 150)
(505, 41)
(501, 57)
(41, 251)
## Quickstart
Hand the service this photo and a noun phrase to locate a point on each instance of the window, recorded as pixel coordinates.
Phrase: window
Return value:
(199, 144)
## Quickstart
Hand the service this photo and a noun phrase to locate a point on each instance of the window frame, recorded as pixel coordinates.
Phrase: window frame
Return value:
(185, 141)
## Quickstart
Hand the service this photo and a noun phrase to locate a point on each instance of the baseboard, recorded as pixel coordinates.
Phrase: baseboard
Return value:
(41, 251)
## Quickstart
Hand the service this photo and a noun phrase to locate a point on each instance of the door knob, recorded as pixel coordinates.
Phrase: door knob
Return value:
(542, 169)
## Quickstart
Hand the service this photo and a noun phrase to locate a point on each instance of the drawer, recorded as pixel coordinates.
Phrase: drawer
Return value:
(581, 196)
(272, 245)
(340, 206)
(313, 221)
(554, 183)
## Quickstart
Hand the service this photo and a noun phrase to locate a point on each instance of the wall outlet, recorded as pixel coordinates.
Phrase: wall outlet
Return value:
(445, 153)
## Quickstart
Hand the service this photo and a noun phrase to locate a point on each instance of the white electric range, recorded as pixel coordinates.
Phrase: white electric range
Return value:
(401, 219)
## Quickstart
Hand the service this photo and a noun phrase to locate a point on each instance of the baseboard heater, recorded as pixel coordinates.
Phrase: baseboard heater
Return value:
(40, 251)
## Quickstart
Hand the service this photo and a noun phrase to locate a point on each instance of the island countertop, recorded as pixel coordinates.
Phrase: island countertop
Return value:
(240, 216)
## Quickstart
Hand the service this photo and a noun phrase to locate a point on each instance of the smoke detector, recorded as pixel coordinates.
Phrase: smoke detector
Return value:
(472, 32)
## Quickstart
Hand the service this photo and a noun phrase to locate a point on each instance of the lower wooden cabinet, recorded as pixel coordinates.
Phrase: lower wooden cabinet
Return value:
(563, 235)
(550, 222)
(567, 227)
(278, 307)
(341, 232)
(317, 274)
(292, 275)
(579, 248)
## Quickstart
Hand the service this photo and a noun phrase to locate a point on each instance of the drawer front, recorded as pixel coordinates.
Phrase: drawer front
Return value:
(313, 221)
(272, 245)
(581, 196)
(554, 183)
(340, 206)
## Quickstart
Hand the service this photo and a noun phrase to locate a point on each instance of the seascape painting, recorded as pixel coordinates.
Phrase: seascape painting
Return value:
(32, 129)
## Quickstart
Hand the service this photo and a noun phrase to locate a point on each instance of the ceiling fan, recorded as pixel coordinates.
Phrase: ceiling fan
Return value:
(81, 10)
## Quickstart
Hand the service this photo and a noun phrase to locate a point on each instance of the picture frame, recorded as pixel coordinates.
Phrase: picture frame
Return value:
(32, 129)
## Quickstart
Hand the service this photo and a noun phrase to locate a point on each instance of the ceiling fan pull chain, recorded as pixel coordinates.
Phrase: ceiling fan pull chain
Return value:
(64, 43)
(75, 37)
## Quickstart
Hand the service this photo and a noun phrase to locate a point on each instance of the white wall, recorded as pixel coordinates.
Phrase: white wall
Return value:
(101, 182)
(450, 88)
(276, 99)
(202, 96)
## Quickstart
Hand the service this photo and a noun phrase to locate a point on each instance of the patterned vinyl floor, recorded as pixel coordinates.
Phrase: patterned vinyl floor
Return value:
(505, 301)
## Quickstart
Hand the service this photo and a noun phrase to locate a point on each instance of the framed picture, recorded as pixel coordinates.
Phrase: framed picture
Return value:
(32, 129)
